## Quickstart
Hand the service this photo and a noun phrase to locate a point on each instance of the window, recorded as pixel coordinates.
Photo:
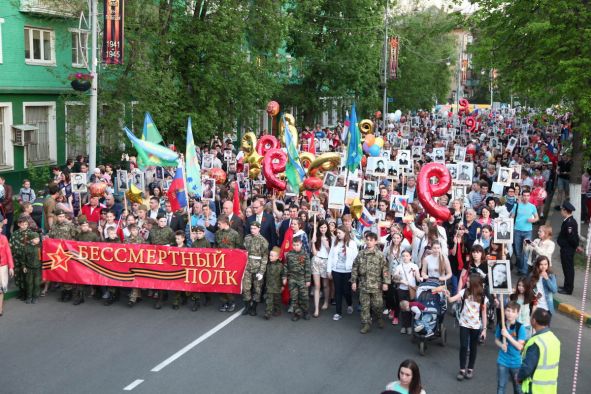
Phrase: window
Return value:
(3, 132)
(43, 148)
(79, 48)
(1, 22)
(76, 129)
(39, 46)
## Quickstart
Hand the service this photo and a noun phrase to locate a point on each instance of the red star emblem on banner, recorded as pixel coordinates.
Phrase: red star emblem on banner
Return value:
(59, 258)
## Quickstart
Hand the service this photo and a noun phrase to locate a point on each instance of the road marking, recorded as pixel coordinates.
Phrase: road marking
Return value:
(196, 342)
(133, 384)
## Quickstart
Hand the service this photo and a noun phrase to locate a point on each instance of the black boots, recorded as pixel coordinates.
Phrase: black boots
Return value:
(247, 307)
(66, 295)
(253, 308)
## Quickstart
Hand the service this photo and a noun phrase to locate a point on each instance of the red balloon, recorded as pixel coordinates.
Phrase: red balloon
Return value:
(98, 189)
(364, 161)
(313, 184)
(471, 149)
(378, 114)
(219, 175)
(267, 142)
(471, 123)
(426, 191)
(274, 162)
(538, 195)
(273, 108)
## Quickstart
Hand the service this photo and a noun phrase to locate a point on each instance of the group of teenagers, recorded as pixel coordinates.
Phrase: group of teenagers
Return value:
(336, 254)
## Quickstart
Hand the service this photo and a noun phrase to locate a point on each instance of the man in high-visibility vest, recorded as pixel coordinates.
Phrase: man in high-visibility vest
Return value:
(541, 355)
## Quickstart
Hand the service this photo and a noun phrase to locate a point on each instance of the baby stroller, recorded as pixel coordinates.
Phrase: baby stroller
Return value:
(430, 325)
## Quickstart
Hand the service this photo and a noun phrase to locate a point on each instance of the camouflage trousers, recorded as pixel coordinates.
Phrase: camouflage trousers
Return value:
(298, 294)
(135, 294)
(251, 287)
(370, 302)
(19, 277)
(273, 301)
(33, 282)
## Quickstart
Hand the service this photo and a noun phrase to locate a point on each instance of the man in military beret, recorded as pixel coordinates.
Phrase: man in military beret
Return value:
(257, 248)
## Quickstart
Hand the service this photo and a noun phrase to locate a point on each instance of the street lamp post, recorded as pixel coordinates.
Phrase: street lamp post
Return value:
(385, 103)
(94, 87)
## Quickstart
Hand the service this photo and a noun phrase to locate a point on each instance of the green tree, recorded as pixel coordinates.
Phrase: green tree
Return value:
(427, 50)
(337, 46)
(542, 54)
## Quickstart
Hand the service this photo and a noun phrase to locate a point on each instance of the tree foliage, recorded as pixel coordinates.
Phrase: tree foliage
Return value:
(541, 50)
(427, 51)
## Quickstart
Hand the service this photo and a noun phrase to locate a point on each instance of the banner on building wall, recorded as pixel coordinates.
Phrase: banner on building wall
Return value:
(113, 40)
(394, 47)
(144, 266)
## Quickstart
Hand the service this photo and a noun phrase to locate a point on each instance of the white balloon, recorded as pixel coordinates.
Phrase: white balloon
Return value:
(390, 116)
(397, 115)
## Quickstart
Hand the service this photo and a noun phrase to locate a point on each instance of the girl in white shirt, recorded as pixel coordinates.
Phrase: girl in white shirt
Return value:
(407, 276)
(339, 265)
(321, 241)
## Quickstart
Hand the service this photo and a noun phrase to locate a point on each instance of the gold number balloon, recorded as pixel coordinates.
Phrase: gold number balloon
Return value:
(366, 126)
(251, 156)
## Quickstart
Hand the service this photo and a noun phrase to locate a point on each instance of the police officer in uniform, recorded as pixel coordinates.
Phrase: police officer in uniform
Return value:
(568, 240)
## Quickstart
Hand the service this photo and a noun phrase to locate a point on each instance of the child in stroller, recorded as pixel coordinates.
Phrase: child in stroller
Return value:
(429, 308)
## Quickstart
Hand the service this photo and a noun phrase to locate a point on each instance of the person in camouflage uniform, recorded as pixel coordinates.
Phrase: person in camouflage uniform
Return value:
(257, 248)
(111, 295)
(161, 235)
(63, 229)
(32, 267)
(227, 238)
(179, 242)
(17, 245)
(198, 241)
(86, 234)
(134, 238)
(273, 274)
(299, 273)
(372, 270)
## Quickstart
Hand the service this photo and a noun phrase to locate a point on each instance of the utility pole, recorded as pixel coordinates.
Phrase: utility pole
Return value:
(491, 88)
(459, 77)
(94, 87)
(385, 104)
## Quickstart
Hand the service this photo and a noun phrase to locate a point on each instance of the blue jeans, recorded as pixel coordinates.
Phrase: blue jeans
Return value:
(455, 280)
(504, 374)
(520, 255)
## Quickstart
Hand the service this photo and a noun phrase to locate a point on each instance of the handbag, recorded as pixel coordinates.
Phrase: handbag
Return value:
(412, 290)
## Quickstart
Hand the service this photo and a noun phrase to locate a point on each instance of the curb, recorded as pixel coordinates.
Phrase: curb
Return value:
(572, 312)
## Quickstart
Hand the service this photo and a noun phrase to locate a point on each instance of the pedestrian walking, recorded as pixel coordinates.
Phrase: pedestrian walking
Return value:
(257, 249)
(298, 272)
(409, 379)
(340, 262)
(510, 340)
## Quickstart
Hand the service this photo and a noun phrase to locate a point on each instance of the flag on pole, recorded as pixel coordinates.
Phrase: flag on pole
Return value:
(193, 169)
(345, 132)
(294, 171)
(236, 202)
(366, 219)
(176, 191)
(354, 152)
(151, 154)
(150, 131)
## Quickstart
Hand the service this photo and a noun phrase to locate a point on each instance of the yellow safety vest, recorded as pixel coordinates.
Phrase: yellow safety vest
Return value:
(545, 377)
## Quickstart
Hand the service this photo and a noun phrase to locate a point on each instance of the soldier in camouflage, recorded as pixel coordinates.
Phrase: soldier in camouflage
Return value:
(134, 238)
(371, 269)
(198, 241)
(227, 238)
(257, 248)
(299, 273)
(161, 235)
(32, 267)
(273, 274)
(86, 234)
(17, 245)
(63, 229)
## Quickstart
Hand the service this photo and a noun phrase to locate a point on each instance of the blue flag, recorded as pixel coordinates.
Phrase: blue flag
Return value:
(354, 152)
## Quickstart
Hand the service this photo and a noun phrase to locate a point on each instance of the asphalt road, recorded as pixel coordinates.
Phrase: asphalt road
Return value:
(59, 348)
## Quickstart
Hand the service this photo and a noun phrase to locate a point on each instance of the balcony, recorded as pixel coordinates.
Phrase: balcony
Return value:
(62, 8)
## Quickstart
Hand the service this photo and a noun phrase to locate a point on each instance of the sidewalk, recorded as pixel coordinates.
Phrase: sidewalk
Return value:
(569, 304)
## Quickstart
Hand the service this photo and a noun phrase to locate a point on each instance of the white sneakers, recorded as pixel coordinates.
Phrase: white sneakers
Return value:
(337, 317)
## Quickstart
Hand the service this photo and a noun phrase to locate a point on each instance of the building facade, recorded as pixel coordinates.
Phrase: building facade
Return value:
(41, 117)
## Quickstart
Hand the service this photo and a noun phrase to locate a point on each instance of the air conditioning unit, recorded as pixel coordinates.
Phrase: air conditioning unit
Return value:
(24, 134)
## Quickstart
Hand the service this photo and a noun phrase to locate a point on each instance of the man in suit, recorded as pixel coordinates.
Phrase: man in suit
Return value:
(174, 220)
(568, 240)
(155, 209)
(293, 214)
(267, 223)
(503, 231)
(235, 221)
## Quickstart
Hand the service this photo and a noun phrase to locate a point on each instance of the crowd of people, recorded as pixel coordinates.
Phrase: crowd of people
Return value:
(317, 251)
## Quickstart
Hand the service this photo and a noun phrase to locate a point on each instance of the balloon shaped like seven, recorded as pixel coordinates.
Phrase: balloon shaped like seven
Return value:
(274, 163)
(273, 108)
(426, 191)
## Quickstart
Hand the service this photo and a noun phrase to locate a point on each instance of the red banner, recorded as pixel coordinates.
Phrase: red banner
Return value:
(113, 32)
(144, 266)
(394, 47)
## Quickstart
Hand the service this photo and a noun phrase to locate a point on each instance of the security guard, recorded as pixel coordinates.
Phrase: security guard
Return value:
(568, 240)
(541, 355)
